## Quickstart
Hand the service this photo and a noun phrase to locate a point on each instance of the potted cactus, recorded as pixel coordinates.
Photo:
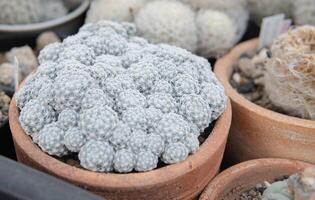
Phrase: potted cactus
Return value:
(22, 21)
(6, 143)
(121, 117)
(258, 132)
(184, 24)
(264, 179)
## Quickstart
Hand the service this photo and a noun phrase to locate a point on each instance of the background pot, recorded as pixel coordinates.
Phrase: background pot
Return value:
(231, 183)
(184, 180)
(257, 132)
(17, 35)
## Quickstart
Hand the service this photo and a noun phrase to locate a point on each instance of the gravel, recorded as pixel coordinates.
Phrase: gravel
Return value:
(248, 78)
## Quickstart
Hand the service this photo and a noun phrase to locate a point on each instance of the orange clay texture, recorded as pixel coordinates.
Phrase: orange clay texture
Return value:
(290, 72)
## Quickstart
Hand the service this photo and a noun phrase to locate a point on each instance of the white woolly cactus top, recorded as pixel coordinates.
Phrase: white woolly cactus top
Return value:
(290, 72)
(121, 103)
(236, 10)
(180, 23)
(30, 11)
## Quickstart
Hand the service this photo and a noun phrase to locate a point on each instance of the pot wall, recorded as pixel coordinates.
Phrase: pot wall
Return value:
(184, 180)
(231, 183)
(260, 133)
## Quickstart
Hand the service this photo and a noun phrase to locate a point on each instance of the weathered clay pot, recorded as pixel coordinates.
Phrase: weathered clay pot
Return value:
(231, 183)
(257, 132)
(185, 180)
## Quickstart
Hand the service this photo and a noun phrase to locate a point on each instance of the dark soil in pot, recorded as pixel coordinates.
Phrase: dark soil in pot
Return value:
(251, 32)
(6, 143)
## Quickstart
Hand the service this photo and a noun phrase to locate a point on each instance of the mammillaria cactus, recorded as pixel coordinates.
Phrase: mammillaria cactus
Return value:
(236, 11)
(30, 11)
(52, 9)
(206, 27)
(109, 112)
(215, 35)
(171, 22)
(20, 12)
(299, 186)
(289, 75)
(117, 10)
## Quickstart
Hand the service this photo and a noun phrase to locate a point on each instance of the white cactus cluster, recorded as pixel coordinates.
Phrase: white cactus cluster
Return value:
(120, 109)
(289, 76)
(206, 27)
(30, 11)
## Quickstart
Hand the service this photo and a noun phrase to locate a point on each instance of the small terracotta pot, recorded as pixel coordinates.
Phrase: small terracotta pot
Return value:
(231, 183)
(184, 180)
(257, 132)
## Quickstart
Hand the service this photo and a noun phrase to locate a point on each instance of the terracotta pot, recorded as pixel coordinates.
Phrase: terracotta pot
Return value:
(184, 180)
(257, 132)
(231, 183)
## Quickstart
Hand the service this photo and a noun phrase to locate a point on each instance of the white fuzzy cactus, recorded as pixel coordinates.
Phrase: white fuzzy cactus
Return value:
(289, 75)
(20, 12)
(97, 156)
(121, 110)
(146, 161)
(217, 33)
(74, 139)
(175, 152)
(209, 33)
(169, 22)
(30, 11)
(124, 161)
(162, 101)
(51, 138)
(236, 10)
(117, 10)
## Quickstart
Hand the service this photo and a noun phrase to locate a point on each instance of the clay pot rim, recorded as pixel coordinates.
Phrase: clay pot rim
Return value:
(128, 181)
(224, 66)
(238, 170)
